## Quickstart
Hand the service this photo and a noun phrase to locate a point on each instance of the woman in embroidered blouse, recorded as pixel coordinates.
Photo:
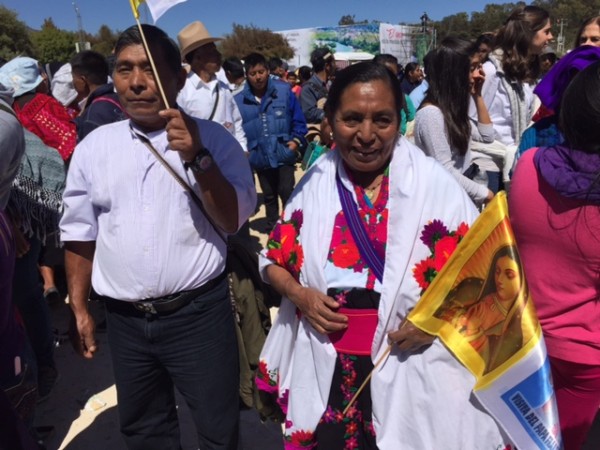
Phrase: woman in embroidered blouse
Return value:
(443, 129)
(342, 257)
(507, 93)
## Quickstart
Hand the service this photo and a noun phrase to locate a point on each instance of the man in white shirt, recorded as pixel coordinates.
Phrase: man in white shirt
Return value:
(204, 96)
(154, 256)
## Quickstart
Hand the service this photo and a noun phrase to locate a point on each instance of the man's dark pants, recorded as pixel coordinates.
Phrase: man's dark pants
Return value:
(274, 183)
(193, 349)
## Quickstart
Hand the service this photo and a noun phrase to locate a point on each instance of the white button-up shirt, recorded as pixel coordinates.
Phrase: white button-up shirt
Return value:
(151, 239)
(198, 98)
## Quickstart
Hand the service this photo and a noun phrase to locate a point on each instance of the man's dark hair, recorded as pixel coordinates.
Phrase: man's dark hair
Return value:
(385, 58)
(254, 59)
(91, 65)
(234, 66)
(304, 73)
(319, 57)
(156, 38)
(275, 63)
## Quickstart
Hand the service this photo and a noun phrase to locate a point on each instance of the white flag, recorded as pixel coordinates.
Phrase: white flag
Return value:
(157, 7)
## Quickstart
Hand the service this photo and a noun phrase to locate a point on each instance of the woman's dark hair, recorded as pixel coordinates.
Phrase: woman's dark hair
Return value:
(408, 68)
(156, 38)
(580, 110)
(255, 59)
(510, 251)
(590, 21)
(363, 72)
(448, 75)
(485, 38)
(515, 37)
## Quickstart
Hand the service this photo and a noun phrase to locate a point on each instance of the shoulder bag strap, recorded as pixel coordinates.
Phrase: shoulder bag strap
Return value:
(180, 181)
(214, 110)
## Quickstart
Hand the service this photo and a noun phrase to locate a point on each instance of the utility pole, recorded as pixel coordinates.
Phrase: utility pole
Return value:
(81, 43)
(560, 41)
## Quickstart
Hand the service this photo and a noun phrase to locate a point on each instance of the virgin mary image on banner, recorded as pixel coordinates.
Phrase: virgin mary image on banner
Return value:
(479, 305)
(491, 319)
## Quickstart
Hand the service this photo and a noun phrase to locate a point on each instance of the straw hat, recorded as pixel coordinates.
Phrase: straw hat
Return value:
(193, 36)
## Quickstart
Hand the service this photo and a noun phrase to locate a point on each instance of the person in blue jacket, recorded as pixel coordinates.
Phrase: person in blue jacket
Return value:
(275, 128)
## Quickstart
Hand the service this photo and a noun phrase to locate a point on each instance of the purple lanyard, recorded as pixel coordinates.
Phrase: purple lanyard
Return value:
(374, 261)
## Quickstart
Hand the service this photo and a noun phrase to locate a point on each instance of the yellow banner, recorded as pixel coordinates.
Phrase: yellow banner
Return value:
(479, 304)
(135, 5)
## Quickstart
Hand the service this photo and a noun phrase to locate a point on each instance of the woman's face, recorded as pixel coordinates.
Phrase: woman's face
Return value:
(416, 75)
(365, 125)
(508, 278)
(541, 39)
(590, 35)
(476, 73)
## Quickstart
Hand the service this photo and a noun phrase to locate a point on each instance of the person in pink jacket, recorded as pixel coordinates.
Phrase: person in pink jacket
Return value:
(554, 206)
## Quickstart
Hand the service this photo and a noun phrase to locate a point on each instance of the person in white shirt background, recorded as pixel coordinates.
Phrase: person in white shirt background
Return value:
(204, 95)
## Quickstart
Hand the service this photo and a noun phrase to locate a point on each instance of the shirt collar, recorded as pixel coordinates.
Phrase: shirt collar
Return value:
(199, 83)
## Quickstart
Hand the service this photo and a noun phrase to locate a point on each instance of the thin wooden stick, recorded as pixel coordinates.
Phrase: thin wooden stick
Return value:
(362, 386)
(151, 59)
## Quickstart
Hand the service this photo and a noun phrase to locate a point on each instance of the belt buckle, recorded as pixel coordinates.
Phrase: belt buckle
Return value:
(146, 307)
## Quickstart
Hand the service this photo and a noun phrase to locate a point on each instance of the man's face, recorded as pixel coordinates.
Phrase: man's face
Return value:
(137, 88)
(206, 59)
(280, 72)
(258, 77)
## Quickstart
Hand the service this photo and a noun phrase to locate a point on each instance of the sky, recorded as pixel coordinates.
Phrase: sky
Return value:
(219, 15)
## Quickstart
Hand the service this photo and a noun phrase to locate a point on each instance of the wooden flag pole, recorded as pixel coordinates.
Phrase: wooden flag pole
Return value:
(364, 384)
(136, 15)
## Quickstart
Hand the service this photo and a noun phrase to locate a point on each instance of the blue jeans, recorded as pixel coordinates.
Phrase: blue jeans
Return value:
(275, 183)
(28, 296)
(494, 184)
(193, 349)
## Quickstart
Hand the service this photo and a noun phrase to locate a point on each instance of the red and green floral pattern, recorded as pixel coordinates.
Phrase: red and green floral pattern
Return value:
(353, 422)
(441, 243)
(283, 245)
(343, 252)
(300, 439)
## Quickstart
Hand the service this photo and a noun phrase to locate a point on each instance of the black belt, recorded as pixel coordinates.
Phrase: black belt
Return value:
(169, 303)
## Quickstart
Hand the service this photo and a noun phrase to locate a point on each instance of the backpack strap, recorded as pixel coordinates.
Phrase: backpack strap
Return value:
(108, 100)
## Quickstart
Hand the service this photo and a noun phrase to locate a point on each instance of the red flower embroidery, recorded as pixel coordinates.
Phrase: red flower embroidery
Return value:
(442, 244)
(283, 246)
(443, 250)
(266, 380)
(351, 443)
(345, 256)
(302, 438)
(351, 428)
(424, 272)
(461, 231)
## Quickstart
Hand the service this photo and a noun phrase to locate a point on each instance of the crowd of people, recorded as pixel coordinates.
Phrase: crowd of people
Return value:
(133, 175)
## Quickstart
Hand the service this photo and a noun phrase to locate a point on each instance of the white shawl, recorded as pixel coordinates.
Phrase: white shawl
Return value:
(421, 400)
